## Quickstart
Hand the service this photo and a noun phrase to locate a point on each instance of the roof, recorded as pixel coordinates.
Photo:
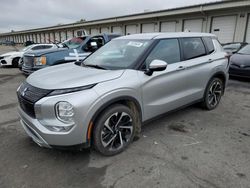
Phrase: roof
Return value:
(150, 36)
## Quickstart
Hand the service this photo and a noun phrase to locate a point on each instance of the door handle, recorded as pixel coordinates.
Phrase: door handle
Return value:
(181, 68)
(210, 61)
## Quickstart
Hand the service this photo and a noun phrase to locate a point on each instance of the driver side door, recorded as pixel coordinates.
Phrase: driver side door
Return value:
(165, 90)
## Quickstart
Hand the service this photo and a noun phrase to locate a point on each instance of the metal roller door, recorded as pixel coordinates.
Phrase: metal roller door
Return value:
(69, 34)
(57, 37)
(94, 31)
(194, 25)
(47, 38)
(42, 38)
(52, 37)
(248, 30)
(104, 30)
(148, 28)
(168, 26)
(224, 28)
(131, 29)
(38, 38)
(63, 36)
(117, 29)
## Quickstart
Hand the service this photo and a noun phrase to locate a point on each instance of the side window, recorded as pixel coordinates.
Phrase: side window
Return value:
(192, 48)
(46, 46)
(167, 50)
(36, 48)
(209, 43)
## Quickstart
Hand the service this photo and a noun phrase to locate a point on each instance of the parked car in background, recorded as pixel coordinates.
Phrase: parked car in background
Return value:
(28, 43)
(232, 48)
(103, 101)
(240, 63)
(70, 50)
(15, 58)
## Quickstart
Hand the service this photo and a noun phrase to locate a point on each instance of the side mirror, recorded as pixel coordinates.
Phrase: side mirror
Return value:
(156, 65)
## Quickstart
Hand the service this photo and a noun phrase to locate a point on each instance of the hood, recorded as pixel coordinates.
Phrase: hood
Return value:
(70, 75)
(240, 59)
(13, 54)
(45, 51)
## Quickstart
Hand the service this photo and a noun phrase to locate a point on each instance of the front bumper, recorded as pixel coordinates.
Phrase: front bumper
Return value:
(239, 72)
(6, 61)
(28, 70)
(36, 127)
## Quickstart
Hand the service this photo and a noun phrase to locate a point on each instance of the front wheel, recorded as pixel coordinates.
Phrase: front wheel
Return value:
(114, 130)
(213, 94)
(15, 62)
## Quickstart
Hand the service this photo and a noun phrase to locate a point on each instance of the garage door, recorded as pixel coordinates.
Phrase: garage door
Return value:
(57, 37)
(168, 27)
(69, 34)
(42, 38)
(131, 29)
(117, 29)
(47, 38)
(63, 36)
(104, 30)
(52, 37)
(224, 28)
(248, 30)
(194, 25)
(148, 28)
(94, 31)
(38, 38)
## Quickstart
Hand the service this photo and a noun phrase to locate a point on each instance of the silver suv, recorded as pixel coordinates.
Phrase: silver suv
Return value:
(104, 100)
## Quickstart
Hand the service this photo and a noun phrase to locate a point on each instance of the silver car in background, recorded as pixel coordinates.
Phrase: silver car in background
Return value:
(104, 100)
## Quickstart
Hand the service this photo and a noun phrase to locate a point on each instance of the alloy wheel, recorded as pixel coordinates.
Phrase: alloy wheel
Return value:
(215, 92)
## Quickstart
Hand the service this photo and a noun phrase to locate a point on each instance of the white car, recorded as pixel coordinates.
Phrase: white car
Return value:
(12, 58)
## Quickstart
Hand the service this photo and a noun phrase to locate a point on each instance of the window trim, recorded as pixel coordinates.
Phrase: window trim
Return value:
(152, 47)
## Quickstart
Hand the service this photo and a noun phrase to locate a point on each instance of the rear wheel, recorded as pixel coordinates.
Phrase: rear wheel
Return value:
(114, 130)
(15, 62)
(213, 93)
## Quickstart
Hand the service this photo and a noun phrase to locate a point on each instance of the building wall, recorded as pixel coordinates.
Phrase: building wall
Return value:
(231, 25)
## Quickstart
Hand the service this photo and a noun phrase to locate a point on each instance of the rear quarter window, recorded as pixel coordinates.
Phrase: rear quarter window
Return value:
(209, 44)
(192, 48)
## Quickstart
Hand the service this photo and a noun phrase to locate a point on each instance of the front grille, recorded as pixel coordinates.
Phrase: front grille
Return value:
(28, 61)
(28, 95)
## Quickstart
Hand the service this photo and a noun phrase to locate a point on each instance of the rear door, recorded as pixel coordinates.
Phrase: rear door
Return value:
(165, 90)
(196, 66)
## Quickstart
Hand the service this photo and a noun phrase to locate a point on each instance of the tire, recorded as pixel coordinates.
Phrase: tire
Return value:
(15, 62)
(213, 94)
(114, 130)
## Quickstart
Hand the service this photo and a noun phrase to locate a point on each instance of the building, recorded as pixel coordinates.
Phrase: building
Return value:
(229, 20)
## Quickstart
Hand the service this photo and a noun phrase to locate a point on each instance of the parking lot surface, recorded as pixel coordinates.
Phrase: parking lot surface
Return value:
(188, 148)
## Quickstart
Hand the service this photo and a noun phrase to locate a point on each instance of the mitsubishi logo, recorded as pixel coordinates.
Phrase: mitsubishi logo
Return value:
(24, 91)
(242, 66)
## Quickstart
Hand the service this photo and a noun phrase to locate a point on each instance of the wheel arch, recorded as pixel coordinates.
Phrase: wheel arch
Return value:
(128, 101)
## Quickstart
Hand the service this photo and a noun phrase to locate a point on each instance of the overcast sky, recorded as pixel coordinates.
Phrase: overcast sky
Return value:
(28, 14)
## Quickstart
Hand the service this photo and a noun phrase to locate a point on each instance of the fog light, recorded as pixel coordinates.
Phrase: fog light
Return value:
(65, 112)
(59, 128)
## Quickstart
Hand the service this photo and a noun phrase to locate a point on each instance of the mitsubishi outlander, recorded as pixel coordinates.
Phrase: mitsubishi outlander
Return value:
(103, 100)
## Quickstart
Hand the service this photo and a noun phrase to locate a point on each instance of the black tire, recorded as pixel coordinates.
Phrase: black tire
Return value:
(15, 62)
(213, 93)
(111, 137)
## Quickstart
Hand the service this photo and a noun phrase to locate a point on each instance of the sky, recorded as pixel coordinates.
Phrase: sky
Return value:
(28, 14)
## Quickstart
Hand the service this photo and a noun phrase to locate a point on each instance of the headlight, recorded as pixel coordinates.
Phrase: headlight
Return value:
(65, 112)
(40, 60)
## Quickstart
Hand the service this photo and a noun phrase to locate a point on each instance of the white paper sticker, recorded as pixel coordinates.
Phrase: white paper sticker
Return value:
(135, 44)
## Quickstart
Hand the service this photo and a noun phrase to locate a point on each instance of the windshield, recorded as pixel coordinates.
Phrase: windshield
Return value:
(74, 42)
(117, 54)
(245, 50)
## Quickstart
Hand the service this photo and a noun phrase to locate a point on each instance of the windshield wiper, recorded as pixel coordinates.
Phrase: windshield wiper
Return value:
(94, 66)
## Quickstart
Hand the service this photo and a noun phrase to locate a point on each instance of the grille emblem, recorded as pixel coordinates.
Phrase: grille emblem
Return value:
(242, 66)
(24, 91)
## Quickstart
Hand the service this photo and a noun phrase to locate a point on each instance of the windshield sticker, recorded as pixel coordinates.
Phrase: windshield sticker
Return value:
(135, 44)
